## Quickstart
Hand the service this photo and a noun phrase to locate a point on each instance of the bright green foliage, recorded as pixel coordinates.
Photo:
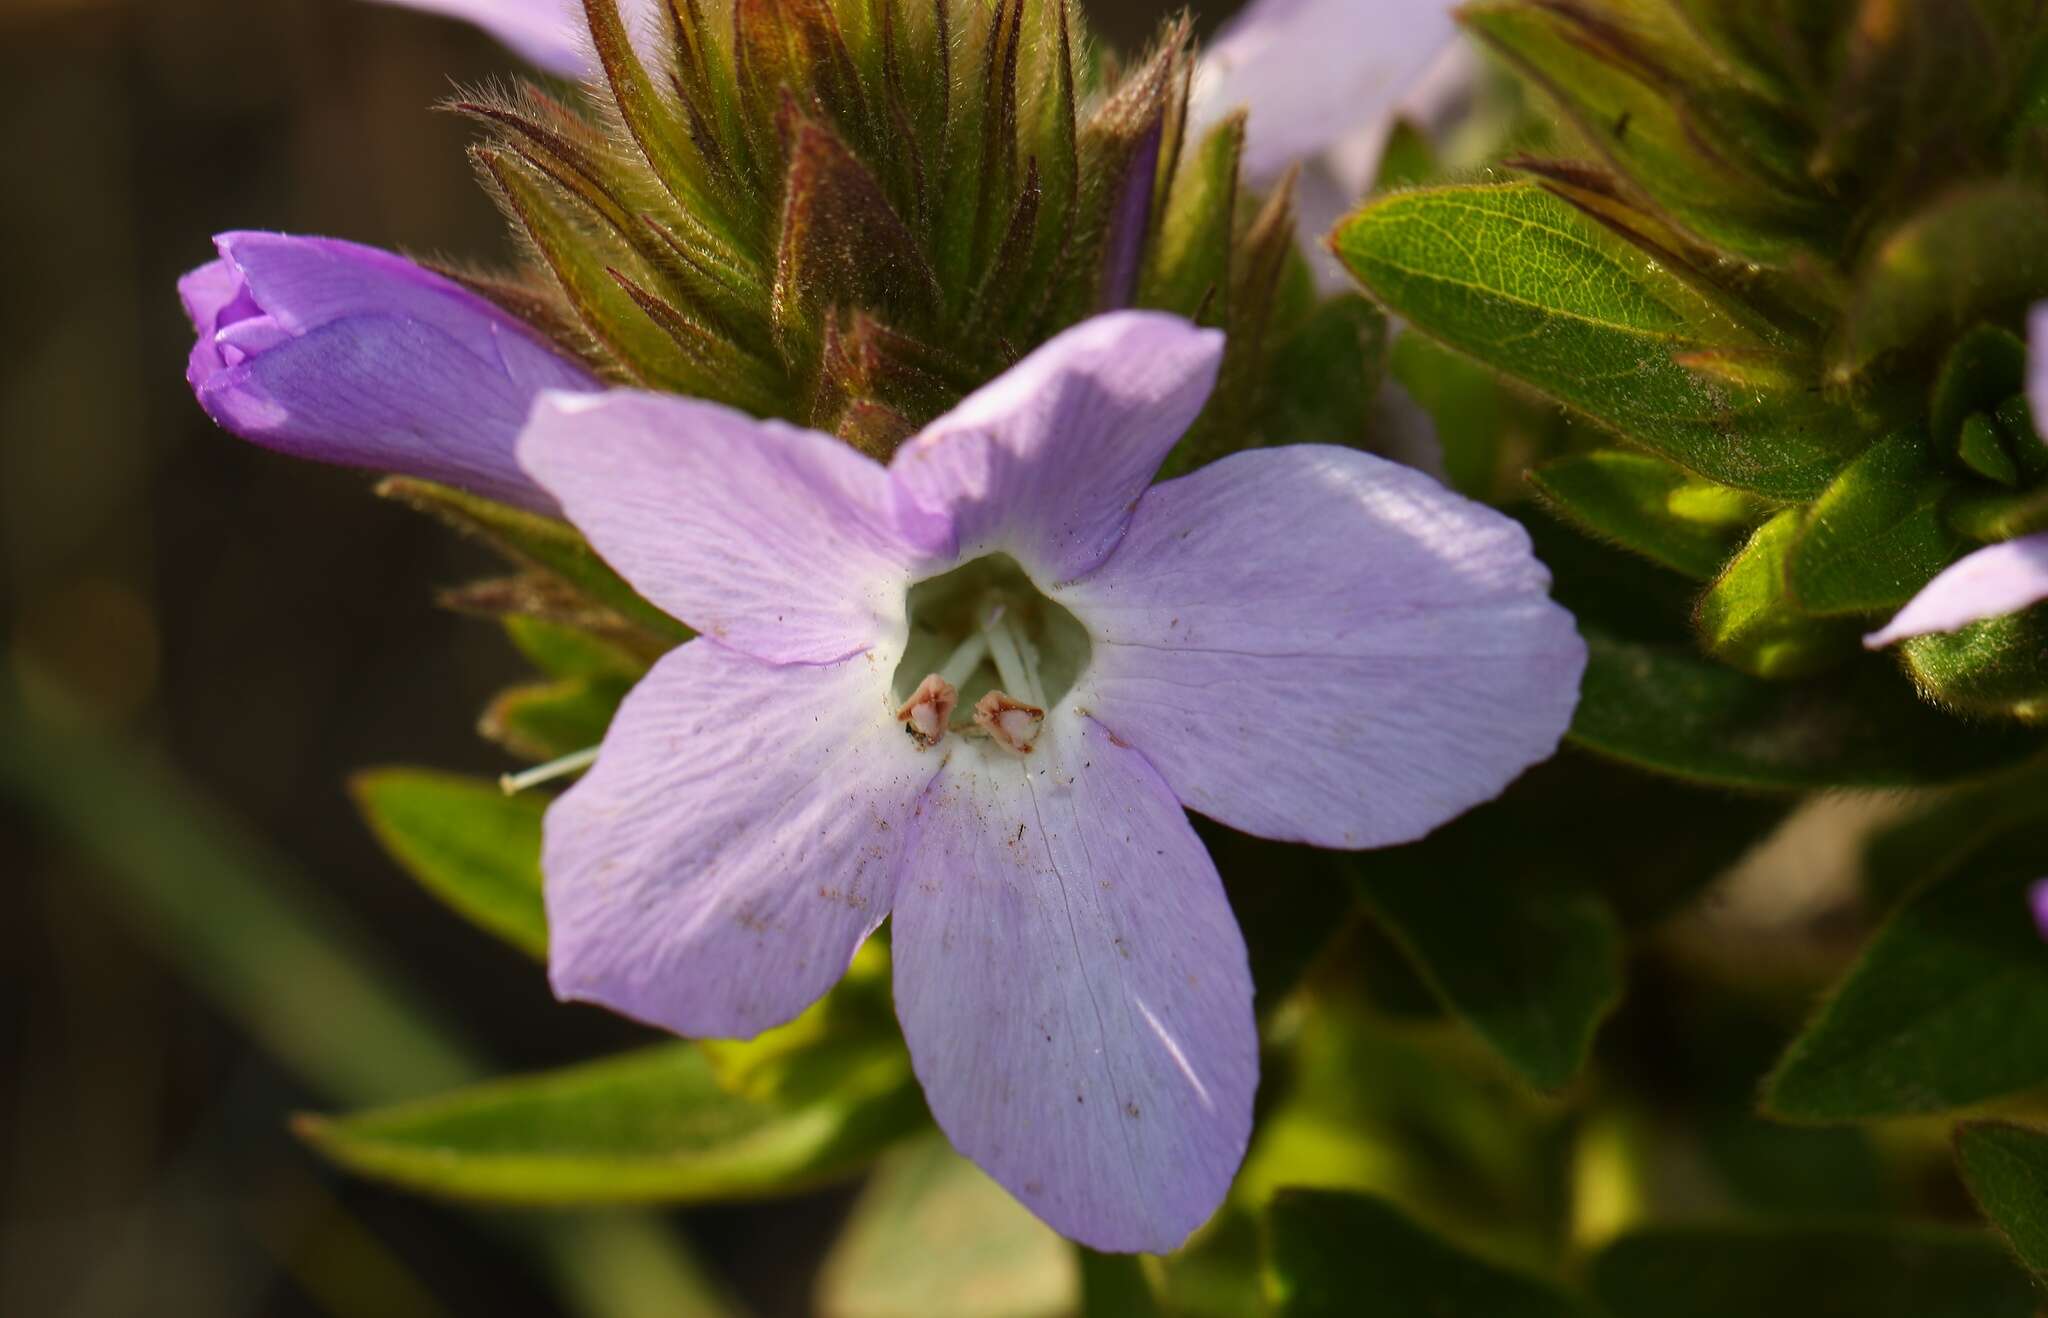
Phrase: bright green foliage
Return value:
(1810, 1272)
(2006, 1168)
(1647, 505)
(1784, 247)
(849, 214)
(467, 842)
(1343, 1255)
(653, 1125)
(1947, 1006)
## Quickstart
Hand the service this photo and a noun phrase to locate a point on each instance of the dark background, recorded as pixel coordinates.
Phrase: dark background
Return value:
(201, 641)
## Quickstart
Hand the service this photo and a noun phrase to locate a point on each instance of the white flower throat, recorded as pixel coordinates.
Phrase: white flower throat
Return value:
(988, 656)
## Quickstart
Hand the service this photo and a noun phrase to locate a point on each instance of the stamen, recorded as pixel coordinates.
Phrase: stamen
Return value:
(1016, 667)
(929, 710)
(1011, 723)
(960, 665)
(515, 783)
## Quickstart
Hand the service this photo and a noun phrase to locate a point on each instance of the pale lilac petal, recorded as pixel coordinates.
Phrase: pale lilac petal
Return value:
(1313, 72)
(2037, 365)
(738, 839)
(1994, 581)
(346, 354)
(547, 33)
(1319, 645)
(1074, 989)
(1045, 463)
(780, 542)
(2037, 901)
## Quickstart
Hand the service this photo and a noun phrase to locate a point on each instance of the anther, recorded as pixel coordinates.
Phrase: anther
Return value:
(1013, 724)
(929, 710)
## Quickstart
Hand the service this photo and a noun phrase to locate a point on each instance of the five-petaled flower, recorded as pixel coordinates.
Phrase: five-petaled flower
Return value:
(973, 691)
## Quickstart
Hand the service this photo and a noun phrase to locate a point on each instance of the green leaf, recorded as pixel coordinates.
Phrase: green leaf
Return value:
(1531, 965)
(1520, 280)
(1985, 367)
(468, 843)
(1346, 1254)
(930, 1234)
(1810, 1272)
(1980, 446)
(1948, 1005)
(648, 1126)
(1997, 667)
(1878, 535)
(544, 543)
(1969, 255)
(1748, 619)
(1667, 709)
(2006, 1168)
(1646, 505)
(570, 652)
(546, 720)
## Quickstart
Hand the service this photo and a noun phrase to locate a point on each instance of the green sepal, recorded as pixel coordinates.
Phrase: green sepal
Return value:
(1878, 534)
(1324, 377)
(1649, 507)
(1326, 1251)
(1188, 272)
(569, 652)
(1407, 160)
(554, 548)
(1519, 279)
(1617, 90)
(1990, 518)
(1946, 1007)
(467, 842)
(1985, 367)
(547, 720)
(1800, 1271)
(1981, 447)
(648, 1126)
(2006, 1168)
(1972, 253)
(1666, 709)
(1749, 620)
(1995, 668)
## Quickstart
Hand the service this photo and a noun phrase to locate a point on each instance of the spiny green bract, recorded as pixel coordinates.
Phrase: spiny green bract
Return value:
(849, 213)
(1842, 202)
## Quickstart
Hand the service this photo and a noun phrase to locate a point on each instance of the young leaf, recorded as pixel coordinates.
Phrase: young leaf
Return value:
(1748, 619)
(1948, 1005)
(1877, 536)
(1339, 1255)
(1667, 709)
(1987, 366)
(467, 843)
(1810, 1272)
(1647, 505)
(2006, 1168)
(642, 1127)
(1997, 667)
(1519, 279)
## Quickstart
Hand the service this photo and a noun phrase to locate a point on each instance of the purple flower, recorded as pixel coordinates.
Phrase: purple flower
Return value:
(974, 690)
(548, 33)
(2001, 578)
(346, 354)
(1324, 81)
(2037, 901)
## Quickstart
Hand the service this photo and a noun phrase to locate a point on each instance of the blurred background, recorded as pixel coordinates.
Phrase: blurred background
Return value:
(198, 643)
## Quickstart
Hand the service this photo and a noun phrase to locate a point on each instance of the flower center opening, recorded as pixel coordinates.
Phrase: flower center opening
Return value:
(989, 655)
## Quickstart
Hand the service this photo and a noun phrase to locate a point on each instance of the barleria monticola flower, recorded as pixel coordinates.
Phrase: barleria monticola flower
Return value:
(828, 406)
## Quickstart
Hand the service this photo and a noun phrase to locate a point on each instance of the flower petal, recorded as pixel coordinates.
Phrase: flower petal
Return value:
(2037, 366)
(340, 353)
(1045, 462)
(1994, 581)
(547, 33)
(1312, 72)
(738, 839)
(780, 542)
(1074, 989)
(1319, 645)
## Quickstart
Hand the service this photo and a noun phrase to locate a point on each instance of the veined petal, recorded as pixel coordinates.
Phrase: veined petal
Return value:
(1996, 580)
(1045, 462)
(1313, 72)
(547, 33)
(346, 354)
(1074, 989)
(1318, 645)
(780, 542)
(739, 837)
